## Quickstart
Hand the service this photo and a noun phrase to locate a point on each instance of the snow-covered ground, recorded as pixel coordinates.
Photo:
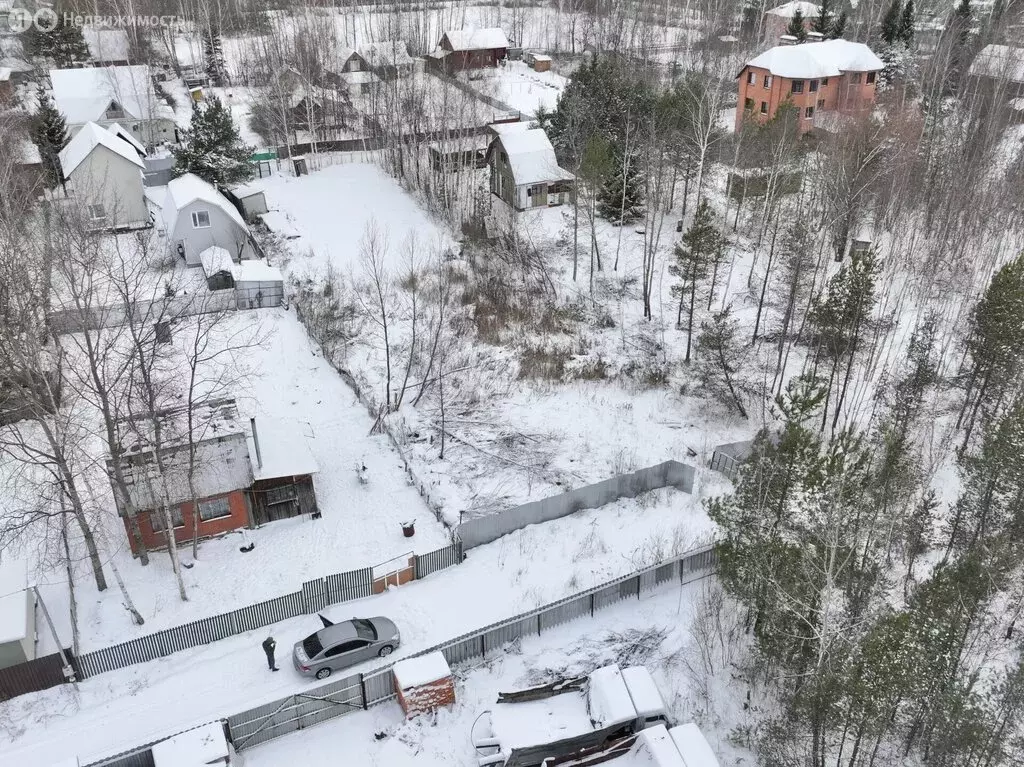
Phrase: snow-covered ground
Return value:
(519, 572)
(382, 737)
(517, 85)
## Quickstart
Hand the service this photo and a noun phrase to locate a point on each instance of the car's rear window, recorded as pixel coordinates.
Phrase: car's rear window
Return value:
(312, 646)
(364, 629)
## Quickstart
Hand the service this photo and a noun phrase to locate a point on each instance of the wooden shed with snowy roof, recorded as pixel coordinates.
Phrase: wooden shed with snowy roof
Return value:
(524, 170)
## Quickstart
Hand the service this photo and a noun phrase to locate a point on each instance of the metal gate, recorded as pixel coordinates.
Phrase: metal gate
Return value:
(296, 712)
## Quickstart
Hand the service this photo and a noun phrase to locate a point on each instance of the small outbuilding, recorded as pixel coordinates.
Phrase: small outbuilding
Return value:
(250, 199)
(423, 684)
(282, 468)
(17, 614)
(524, 171)
(258, 285)
(198, 747)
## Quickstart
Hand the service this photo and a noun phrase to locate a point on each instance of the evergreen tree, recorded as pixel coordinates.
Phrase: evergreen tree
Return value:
(621, 197)
(796, 26)
(213, 55)
(905, 34)
(823, 22)
(839, 28)
(720, 359)
(48, 131)
(63, 45)
(696, 255)
(212, 147)
(890, 31)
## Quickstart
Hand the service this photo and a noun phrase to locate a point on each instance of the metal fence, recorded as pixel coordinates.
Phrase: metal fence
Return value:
(481, 530)
(38, 674)
(314, 596)
(725, 464)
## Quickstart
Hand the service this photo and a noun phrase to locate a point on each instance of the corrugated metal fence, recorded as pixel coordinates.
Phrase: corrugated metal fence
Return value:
(38, 674)
(314, 596)
(360, 691)
(725, 464)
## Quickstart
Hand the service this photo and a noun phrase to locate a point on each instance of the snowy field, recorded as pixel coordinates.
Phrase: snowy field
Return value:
(382, 737)
(524, 570)
(521, 88)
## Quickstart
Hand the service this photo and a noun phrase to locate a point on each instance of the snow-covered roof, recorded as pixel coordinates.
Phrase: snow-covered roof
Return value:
(241, 191)
(88, 138)
(653, 748)
(471, 39)
(1000, 62)
(184, 190)
(540, 721)
(646, 697)
(415, 672)
(85, 94)
(118, 130)
(828, 58)
(13, 608)
(256, 270)
(106, 44)
(284, 451)
(693, 746)
(610, 703)
(5, 74)
(216, 260)
(530, 154)
(788, 10)
(193, 748)
(391, 53)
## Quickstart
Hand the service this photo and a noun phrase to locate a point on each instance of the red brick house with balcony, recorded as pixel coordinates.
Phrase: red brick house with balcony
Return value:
(821, 79)
(241, 478)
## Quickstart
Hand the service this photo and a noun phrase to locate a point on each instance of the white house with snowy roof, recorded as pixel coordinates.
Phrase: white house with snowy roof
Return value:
(103, 174)
(822, 78)
(108, 95)
(524, 170)
(197, 217)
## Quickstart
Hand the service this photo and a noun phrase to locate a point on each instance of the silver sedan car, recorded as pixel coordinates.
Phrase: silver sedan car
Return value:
(344, 644)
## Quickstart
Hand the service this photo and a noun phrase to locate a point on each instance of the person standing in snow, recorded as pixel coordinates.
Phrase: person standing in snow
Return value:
(268, 647)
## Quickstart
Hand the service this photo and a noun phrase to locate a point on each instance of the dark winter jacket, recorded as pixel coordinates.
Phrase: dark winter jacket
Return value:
(268, 645)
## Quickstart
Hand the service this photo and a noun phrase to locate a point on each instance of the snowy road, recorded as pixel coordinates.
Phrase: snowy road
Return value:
(523, 570)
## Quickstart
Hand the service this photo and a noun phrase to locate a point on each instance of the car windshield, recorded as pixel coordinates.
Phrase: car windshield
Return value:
(312, 646)
(364, 629)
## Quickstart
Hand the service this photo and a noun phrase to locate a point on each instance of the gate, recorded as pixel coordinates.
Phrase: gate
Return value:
(296, 712)
(34, 675)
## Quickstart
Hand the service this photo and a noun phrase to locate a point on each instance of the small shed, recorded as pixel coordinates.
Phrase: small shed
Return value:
(455, 154)
(539, 61)
(218, 268)
(198, 747)
(251, 199)
(423, 683)
(17, 614)
(282, 468)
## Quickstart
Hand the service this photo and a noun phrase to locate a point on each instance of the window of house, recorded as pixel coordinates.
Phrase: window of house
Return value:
(748, 104)
(504, 158)
(97, 212)
(200, 219)
(114, 111)
(821, 103)
(808, 113)
(214, 509)
(751, 77)
(798, 86)
(281, 494)
(813, 86)
(870, 78)
(156, 519)
(855, 78)
(764, 107)
(767, 81)
(824, 82)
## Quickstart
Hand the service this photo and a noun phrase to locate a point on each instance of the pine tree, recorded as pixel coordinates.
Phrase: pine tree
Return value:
(905, 34)
(49, 133)
(720, 358)
(823, 22)
(621, 197)
(212, 147)
(696, 254)
(890, 31)
(839, 28)
(796, 26)
(63, 45)
(213, 53)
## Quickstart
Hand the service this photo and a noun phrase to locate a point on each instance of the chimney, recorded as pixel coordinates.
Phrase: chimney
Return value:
(788, 40)
(815, 37)
(256, 442)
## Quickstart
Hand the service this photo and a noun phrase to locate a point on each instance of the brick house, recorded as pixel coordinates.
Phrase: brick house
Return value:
(524, 170)
(777, 20)
(821, 79)
(461, 49)
(238, 482)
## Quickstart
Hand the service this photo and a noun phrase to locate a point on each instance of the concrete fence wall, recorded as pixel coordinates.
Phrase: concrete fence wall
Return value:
(477, 532)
